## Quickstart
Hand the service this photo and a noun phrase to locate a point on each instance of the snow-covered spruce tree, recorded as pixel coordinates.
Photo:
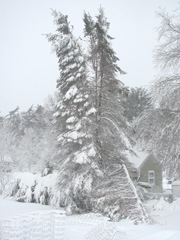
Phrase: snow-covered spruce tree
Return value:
(159, 127)
(112, 131)
(108, 92)
(76, 152)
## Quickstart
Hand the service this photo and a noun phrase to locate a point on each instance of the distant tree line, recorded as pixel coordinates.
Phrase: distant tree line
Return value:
(27, 138)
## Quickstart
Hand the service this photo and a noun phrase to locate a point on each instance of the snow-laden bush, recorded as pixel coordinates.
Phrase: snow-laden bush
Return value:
(28, 187)
(4, 179)
(18, 184)
(45, 191)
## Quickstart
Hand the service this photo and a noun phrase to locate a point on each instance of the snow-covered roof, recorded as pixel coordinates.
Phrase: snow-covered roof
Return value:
(144, 184)
(176, 183)
(137, 158)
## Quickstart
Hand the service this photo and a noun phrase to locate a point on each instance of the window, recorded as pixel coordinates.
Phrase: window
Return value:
(151, 177)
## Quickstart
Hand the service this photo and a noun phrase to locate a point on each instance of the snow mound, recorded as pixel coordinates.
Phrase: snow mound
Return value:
(176, 236)
(160, 205)
(163, 235)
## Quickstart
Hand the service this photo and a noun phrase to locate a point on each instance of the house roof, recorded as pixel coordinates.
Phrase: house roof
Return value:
(176, 183)
(138, 157)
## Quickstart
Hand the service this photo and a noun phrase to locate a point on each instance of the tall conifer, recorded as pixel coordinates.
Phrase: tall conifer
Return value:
(76, 152)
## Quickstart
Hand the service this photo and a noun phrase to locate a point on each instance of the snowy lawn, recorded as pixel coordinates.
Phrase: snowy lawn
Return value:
(94, 226)
(10, 208)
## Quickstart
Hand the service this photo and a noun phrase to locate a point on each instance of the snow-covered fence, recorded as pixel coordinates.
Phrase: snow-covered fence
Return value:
(41, 225)
(101, 227)
(92, 219)
(106, 231)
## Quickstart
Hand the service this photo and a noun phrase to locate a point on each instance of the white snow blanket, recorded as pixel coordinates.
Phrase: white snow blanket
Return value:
(96, 227)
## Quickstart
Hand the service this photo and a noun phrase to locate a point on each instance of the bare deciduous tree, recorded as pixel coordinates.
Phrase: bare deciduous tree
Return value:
(168, 51)
(159, 128)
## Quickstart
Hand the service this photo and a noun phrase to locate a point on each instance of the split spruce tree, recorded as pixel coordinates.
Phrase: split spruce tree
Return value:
(93, 134)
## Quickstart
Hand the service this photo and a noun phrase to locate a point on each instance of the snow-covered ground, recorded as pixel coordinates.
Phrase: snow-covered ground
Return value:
(9, 208)
(94, 226)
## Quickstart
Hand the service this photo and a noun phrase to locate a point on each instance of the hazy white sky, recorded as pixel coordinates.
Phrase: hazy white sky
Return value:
(28, 69)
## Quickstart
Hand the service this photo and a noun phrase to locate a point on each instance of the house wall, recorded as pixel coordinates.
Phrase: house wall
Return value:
(151, 164)
(176, 190)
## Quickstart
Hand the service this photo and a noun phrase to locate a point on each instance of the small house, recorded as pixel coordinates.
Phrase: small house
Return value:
(176, 188)
(149, 171)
